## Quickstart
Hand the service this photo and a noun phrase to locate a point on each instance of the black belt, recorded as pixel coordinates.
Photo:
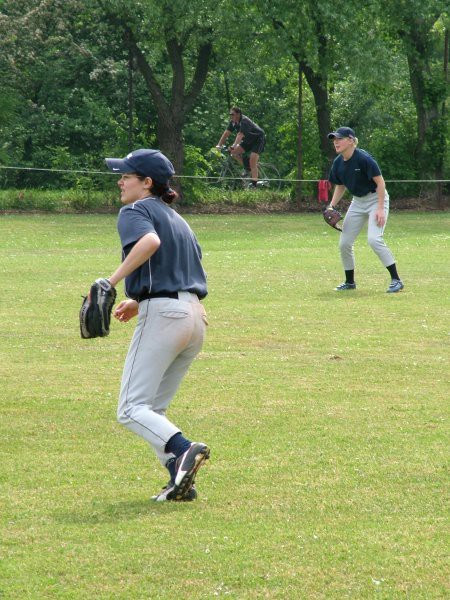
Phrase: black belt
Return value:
(149, 296)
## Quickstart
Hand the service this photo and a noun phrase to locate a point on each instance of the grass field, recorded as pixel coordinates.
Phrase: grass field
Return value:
(326, 413)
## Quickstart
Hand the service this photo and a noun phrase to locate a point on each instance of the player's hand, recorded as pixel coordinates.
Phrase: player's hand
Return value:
(126, 310)
(380, 217)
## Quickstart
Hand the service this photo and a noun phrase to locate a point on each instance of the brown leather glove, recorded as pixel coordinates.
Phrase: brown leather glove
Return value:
(332, 217)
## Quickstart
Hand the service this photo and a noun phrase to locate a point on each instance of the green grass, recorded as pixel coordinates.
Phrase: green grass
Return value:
(326, 413)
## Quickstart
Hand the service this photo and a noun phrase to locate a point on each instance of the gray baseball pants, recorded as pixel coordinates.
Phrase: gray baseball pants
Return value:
(168, 336)
(362, 210)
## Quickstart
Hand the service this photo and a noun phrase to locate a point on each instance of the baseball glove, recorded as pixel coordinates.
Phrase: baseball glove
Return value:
(95, 311)
(332, 217)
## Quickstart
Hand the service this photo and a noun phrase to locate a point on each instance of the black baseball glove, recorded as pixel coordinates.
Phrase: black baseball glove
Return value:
(95, 311)
(332, 217)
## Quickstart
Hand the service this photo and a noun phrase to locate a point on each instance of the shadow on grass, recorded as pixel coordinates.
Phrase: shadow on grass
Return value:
(357, 294)
(126, 511)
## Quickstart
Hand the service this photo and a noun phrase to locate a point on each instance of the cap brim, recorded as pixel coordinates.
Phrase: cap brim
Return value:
(333, 135)
(118, 165)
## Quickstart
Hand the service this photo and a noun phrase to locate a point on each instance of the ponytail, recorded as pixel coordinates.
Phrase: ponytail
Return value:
(165, 192)
(162, 190)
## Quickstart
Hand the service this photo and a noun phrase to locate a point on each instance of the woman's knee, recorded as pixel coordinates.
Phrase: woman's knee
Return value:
(345, 245)
(123, 413)
(375, 242)
(121, 417)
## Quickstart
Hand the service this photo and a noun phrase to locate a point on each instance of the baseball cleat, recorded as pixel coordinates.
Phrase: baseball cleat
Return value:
(396, 286)
(167, 494)
(345, 286)
(187, 466)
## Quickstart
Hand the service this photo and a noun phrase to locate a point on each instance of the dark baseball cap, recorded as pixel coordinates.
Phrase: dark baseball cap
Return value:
(342, 132)
(146, 162)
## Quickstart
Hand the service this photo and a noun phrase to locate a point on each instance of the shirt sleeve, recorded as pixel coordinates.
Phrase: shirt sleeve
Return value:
(134, 223)
(231, 126)
(372, 168)
(334, 177)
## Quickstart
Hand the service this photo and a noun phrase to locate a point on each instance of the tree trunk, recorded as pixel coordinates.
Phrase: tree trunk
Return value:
(418, 91)
(227, 90)
(440, 197)
(429, 99)
(169, 134)
(172, 114)
(170, 123)
(130, 101)
(431, 141)
(318, 84)
(298, 186)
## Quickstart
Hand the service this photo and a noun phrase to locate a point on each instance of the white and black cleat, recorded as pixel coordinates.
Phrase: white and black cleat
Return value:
(187, 466)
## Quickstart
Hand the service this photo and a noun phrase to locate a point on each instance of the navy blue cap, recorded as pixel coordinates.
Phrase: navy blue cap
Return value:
(146, 162)
(342, 132)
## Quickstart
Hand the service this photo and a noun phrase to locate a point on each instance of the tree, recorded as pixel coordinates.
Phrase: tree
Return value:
(170, 43)
(420, 25)
(83, 79)
(311, 34)
(63, 114)
(300, 32)
(174, 63)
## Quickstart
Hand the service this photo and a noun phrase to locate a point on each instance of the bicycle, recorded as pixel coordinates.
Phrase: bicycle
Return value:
(230, 175)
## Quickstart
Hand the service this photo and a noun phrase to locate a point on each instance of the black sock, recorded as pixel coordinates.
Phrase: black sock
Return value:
(177, 445)
(393, 271)
(350, 276)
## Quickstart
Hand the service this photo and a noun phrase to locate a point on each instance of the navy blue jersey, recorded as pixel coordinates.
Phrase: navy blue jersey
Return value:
(176, 265)
(250, 130)
(356, 173)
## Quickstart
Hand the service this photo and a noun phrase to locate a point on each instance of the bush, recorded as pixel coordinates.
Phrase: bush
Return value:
(72, 200)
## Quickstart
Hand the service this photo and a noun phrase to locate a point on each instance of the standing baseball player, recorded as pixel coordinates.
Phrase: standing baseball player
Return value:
(357, 171)
(250, 138)
(164, 283)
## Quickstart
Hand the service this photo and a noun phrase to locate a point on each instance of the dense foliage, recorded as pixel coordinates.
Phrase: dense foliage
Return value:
(85, 79)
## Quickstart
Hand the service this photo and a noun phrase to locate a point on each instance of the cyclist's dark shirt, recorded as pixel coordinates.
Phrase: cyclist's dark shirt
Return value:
(250, 130)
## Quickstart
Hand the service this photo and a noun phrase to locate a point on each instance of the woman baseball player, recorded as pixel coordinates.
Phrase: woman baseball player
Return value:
(359, 172)
(164, 283)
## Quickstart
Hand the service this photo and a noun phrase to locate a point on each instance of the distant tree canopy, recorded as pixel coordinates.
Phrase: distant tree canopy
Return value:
(83, 79)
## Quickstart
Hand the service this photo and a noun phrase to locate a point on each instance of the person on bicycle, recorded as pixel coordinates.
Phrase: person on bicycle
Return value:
(250, 138)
